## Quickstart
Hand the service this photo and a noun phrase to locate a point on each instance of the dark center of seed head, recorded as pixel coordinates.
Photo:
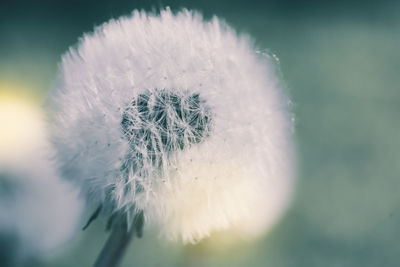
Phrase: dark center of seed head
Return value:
(159, 122)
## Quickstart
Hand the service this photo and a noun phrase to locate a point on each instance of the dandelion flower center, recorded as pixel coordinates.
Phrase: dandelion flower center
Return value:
(159, 122)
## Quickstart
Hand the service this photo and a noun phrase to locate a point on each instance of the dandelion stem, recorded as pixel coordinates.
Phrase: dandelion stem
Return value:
(116, 245)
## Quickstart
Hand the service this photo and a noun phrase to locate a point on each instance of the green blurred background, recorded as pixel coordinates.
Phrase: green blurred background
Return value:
(341, 65)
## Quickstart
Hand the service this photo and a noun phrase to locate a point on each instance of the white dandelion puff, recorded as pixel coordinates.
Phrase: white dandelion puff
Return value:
(178, 119)
(39, 212)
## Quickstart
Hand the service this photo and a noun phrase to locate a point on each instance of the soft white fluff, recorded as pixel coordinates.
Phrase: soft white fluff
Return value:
(37, 208)
(237, 175)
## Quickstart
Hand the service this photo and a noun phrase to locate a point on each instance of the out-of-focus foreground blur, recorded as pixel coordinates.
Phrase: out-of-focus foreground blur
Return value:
(340, 63)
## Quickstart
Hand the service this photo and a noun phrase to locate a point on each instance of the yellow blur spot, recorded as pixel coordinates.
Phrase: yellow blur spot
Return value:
(21, 124)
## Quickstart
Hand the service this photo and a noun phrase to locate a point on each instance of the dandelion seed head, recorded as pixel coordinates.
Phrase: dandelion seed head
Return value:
(39, 211)
(177, 117)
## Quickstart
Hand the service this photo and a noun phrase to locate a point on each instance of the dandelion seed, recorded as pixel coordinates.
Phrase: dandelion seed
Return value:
(178, 119)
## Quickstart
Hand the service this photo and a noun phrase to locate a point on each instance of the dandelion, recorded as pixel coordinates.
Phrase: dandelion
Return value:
(39, 212)
(177, 122)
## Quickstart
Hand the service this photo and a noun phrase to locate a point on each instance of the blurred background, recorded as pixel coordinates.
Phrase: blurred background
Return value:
(341, 65)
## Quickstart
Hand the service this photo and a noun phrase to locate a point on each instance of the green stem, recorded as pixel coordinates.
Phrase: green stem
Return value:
(116, 245)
